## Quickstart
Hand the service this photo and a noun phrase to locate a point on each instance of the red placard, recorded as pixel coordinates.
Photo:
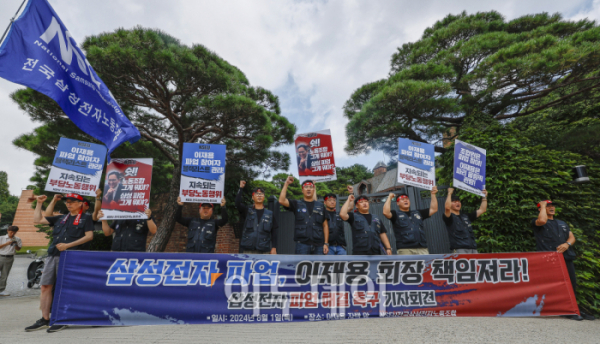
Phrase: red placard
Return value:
(127, 189)
(314, 156)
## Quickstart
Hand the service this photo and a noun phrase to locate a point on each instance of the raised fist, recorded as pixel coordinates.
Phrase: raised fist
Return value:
(41, 198)
(351, 198)
(350, 189)
(242, 184)
(57, 197)
(450, 191)
(289, 180)
(543, 203)
(434, 190)
(223, 202)
(391, 195)
(179, 201)
(98, 193)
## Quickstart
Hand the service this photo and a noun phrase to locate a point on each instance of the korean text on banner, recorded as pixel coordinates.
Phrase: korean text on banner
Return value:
(416, 164)
(140, 288)
(314, 155)
(76, 168)
(469, 167)
(39, 52)
(127, 189)
(202, 173)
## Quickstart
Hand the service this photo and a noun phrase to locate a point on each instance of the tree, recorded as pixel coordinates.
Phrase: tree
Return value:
(176, 94)
(8, 202)
(350, 175)
(473, 70)
(519, 174)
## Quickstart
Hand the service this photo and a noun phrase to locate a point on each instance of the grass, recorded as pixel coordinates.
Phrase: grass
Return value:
(24, 249)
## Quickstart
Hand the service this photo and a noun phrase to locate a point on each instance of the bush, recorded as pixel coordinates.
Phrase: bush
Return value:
(518, 176)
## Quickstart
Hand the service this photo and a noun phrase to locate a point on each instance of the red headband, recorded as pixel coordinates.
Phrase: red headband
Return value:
(211, 205)
(401, 196)
(308, 183)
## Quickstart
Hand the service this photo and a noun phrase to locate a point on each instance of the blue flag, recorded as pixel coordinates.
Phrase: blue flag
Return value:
(39, 52)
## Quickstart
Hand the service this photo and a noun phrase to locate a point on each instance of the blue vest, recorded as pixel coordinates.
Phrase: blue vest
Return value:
(409, 230)
(202, 236)
(336, 229)
(65, 232)
(365, 237)
(257, 232)
(309, 227)
(130, 235)
(461, 233)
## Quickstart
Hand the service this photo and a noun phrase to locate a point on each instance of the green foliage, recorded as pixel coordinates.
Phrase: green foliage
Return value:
(476, 68)
(518, 176)
(347, 176)
(8, 202)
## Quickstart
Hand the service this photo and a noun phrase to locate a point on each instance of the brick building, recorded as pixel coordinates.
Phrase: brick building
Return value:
(24, 220)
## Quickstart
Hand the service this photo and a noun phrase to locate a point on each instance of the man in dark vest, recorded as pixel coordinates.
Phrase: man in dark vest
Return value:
(368, 231)
(130, 235)
(460, 225)
(556, 236)
(337, 235)
(69, 231)
(259, 235)
(311, 230)
(409, 226)
(202, 231)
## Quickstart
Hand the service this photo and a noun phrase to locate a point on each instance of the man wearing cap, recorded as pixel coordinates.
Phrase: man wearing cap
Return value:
(86, 205)
(556, 236)
(409, 228)
(202, 231)
(259, 235)
(9, 244)
(311, 231)
(459, 224)
(130, 235)
(69, 231)
(368, 231)
(337, 236)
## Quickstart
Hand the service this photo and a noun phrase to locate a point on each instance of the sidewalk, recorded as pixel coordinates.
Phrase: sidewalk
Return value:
(20, 312)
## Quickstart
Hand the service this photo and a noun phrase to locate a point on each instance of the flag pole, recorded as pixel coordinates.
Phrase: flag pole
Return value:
(12, 20)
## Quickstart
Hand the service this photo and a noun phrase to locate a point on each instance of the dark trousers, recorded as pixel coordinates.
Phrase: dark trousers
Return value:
(571, 270)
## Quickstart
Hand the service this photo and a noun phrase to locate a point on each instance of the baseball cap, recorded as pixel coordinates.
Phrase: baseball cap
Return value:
(257, 190)
(74, 197)
(209, 204)
(549, 203)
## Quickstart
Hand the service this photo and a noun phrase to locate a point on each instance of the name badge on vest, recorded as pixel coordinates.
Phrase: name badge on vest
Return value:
(139, 226)
(117, 227)
(418, 216)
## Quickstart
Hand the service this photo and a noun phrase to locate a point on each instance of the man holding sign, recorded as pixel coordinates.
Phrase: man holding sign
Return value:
(459, 224)
(202, 231)
(311, 230)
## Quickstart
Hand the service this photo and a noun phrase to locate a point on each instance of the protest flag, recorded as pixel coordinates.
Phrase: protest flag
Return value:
(39, 52)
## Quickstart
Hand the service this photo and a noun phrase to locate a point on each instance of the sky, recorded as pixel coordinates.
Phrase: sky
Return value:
(312, 54)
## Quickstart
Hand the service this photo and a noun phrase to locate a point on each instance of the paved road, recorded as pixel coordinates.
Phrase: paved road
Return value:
(17, 313)
(17, 279)
(21, 309)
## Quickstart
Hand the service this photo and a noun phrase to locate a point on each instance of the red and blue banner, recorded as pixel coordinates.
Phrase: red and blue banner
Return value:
(127, 288)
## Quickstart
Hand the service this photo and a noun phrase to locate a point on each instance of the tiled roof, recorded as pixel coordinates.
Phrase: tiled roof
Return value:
(381, 182)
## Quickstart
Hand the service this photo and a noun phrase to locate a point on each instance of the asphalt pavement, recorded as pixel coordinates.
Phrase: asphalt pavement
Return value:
(21, 309)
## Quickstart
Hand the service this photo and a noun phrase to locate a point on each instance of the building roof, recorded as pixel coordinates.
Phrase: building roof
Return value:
(381, 183)
(379, 164)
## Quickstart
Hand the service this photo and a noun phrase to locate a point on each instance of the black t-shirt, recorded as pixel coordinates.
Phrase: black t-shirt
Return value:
(132, 223)
(423, 212)
(555, 234)
(368, 217)
(187, 220)
(88, 225)
(448, 220)
(243, 209)
(294, 206)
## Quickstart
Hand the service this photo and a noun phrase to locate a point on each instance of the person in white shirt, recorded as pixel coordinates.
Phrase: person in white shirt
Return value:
(9, 244)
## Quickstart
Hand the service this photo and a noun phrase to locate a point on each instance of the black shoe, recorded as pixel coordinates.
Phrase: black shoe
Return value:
(39, 325)
(56, 328)
(576, 317)
(586, 316)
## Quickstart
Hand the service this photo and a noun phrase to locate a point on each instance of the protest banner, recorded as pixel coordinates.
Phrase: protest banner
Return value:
(143, 288)
(314, 155)
(202, 173)
(76, 168)
(469, 167)
(38, 53)
(127, 189)
(416, 164)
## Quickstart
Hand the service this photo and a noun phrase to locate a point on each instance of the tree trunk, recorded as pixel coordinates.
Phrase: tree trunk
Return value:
(164, 231)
